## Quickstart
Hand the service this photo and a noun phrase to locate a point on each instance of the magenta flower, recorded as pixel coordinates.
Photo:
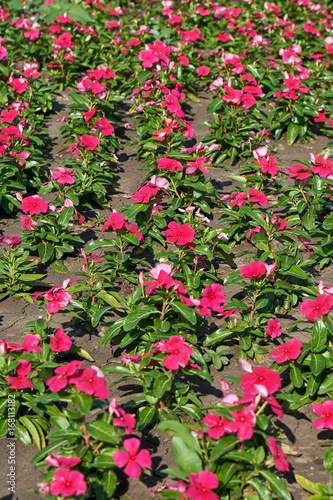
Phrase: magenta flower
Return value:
(90, 381)
(62, 461)
(60, 380)
(88, 142)
(254, 270)
(104, 127)
(280, 460)
(27, 222)
(217, 425)
(34, 205)
(179, 352)
(133, 229)
(169, 164)
(245, 420)
(125, 420)
(257, 196)
(60, 342)
(202, 71)
(274, 328)
(181, 235)
(197, 165)
(213, 297)
(21, 381)
(148, 58)
(201, 486)
(325, 412)
(116, 222)
(58, 299)
(67, 483)
(260, 376)
(299, 172)
(63, 176)
(29, 344)
(289, 350)
(132, 459)
(315, 309)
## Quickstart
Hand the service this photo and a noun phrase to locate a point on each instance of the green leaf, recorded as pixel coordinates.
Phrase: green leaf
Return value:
(277, 485)
(47, 450)
(81, 352)
(110, 299)
(319, 336)
(105, 459)
(296, 376)
(223, 446)
(162, 384)
(186, 457)
(133, 318)
(109, 482)
(45, 252)
(97, 316)
(59, 266)
(112, 331)
(308, 485)
(260, 488)
(317, 363)
(30, 426)
(173, 427)
(185, 311)
(328, 459)
(217, 337)
(146, 416)
(65, 216)
(83, 401)
(292, 133)
(103, 432)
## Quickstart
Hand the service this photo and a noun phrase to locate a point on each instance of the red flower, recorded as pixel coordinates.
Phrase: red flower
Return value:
(315, 309)
(34, 205)
(62, 373)
(18, 85)
(217, 425)
(254, 270)
(274, 328)
(179, 352)
(60, 342)
(148, 58)
(29, 344)
(202, 71)
(213, 297)
(280, 460)
(169, 164)
(104, 127)
(116, 222)
(245, 420)
(299, 172)
(325, 411)
(197, 165)
(131, 458)
(21, 381)
(257, 196)
(124, 420)
(181, 235)
(67, 483)
(133, 229)
(201, 485)
(289, 350)
(90, 381)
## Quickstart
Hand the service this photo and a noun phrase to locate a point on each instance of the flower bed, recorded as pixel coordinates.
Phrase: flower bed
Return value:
(174, 268)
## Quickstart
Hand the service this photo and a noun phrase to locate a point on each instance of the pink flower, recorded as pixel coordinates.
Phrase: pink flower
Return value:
(289, 350)
(315, 309)
(29, 344)
(325, 411)
(274, 328)
(60, 380)
(27, 222)
(21, 381)
(116, 222)
(260, 376)
(254, 270)
(238, 199)
(18, 85)
(11, 242)
(34, 205)
(88, 142)
(328, 290)
(280, 460)
(58, 299)
(125, 420)
(148, 58)
(131, 459)
(201, 486)
(60, 342)
(133, 229)
(202, 71)
(169, 164)
(67, 483)
(63, 176)
(300, 172)
(179, 352)
(217, 425)
(213, 296)
(257, 196)
(197, 165)
(90, 381)
(62, 461)
(104, 127)
(245, 420)
(181, 235)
